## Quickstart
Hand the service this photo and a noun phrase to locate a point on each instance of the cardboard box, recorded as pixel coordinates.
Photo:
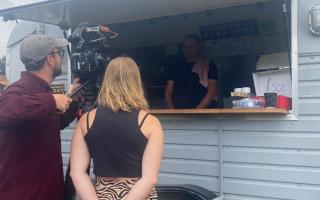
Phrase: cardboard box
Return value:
(275, 81)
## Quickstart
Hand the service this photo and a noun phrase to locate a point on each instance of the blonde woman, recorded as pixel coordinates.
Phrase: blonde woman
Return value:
(124, 141)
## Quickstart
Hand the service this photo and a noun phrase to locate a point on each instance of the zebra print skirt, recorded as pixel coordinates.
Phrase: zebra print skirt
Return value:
(117, 189)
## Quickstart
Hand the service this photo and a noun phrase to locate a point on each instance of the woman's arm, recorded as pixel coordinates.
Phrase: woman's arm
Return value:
(150, 162)
(79, 163)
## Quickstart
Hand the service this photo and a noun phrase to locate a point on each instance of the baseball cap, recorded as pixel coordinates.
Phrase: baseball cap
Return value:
(35, 48)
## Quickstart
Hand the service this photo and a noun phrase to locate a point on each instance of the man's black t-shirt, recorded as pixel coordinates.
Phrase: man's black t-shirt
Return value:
(187, 90)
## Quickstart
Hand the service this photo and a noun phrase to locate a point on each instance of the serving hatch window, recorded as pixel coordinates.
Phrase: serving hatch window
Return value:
(250, 46)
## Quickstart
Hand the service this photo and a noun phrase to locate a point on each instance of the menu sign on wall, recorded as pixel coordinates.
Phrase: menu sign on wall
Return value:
(229, 30)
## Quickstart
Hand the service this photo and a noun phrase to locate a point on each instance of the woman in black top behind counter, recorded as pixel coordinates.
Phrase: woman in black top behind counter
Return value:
(124, 141)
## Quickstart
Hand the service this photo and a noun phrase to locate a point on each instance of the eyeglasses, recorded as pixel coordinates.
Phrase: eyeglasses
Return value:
(60, 52)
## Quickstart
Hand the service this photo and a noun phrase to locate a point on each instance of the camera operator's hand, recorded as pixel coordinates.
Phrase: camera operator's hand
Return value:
(62, 102)
(3, 80)
(72, 88)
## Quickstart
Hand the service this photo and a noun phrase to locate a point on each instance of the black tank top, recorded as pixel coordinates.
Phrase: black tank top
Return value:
(116, 143)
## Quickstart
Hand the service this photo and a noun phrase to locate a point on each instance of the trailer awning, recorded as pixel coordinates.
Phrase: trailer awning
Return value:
(50, 12)
(69, 13)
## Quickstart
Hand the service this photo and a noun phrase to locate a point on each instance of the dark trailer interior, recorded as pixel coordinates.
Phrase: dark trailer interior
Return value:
(233, 37)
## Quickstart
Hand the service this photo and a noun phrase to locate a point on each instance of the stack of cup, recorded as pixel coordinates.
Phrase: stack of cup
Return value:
(241, 92)
(237, 91)
(246, 91)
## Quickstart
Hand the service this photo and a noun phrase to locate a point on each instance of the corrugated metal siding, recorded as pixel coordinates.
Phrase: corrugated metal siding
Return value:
(66, 136)
(261, 159)
(309, 84)
(191, 154)
(271, 163)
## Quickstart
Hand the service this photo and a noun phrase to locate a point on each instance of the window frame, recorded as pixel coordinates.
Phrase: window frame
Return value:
(264, 115)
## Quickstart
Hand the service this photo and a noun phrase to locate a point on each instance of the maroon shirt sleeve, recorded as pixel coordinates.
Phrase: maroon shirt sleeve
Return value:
(67, 117)
(17, 107)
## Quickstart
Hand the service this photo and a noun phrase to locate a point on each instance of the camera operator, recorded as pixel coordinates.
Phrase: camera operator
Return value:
(30, 122)
(89, 58)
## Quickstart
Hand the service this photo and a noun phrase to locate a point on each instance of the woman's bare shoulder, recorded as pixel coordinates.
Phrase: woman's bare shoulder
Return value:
(151, 119)
(151, 124)
(82, 124)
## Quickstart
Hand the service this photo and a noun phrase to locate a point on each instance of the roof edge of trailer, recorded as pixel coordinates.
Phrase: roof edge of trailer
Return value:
(16, 12)
(63, 13)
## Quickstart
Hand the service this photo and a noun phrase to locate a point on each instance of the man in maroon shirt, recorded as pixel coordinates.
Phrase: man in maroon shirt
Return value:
(30, 121)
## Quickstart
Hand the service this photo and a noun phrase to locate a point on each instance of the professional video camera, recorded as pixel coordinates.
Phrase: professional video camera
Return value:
(90, 50)
(89, 57)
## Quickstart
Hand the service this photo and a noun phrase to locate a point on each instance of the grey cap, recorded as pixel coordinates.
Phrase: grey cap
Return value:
(35, 48)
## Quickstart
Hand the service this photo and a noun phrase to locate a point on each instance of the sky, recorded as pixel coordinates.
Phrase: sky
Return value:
(6, 27)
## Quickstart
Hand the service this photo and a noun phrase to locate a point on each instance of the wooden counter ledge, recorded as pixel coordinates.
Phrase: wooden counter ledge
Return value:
(246, 111)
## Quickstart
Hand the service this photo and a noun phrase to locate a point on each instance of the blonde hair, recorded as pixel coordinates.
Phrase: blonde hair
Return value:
(122, 87)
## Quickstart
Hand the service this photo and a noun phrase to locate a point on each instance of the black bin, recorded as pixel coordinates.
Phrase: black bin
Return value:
(184, 192)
